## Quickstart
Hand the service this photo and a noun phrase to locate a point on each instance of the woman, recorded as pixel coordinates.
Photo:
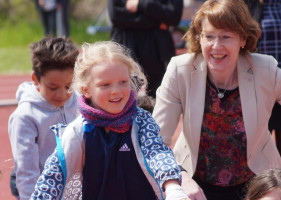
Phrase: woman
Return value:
(225, 95)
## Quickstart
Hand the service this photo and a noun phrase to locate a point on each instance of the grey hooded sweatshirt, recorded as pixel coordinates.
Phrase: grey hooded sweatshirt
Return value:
(30, 136)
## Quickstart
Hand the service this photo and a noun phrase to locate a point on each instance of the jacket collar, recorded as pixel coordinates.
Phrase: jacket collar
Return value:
(196, 99)
(248, 95)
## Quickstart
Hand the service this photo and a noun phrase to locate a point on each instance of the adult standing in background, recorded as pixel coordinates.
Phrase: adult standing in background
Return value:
(47, 10)
(63, 27)
(255, 7)
(270, 43)
(143, 27)
(224, 93)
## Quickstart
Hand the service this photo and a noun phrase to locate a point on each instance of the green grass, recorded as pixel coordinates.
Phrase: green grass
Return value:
(14, 34)
(16, 37)
(14, 60)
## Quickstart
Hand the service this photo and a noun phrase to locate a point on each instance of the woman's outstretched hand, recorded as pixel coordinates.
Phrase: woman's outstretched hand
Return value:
(191, 188)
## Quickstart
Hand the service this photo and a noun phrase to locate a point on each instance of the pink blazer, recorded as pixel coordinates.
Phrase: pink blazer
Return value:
(182, 92)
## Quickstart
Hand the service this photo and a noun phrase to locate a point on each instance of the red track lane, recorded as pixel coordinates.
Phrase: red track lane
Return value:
(8, 87)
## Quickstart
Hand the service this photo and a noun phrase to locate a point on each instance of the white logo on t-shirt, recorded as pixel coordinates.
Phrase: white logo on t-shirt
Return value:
(124, 148)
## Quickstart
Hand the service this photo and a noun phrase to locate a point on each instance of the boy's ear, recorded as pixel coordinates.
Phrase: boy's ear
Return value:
(34, 79)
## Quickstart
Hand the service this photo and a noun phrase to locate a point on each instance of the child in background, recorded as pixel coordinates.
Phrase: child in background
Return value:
(143, 100)
(265, 186)
(44, 102)
(146, 102)
(113, 150)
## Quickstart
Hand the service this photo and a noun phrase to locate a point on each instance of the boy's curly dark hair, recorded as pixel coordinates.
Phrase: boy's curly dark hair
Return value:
(52, 53)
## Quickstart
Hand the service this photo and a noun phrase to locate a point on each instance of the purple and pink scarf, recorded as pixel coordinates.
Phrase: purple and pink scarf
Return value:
(119, 123)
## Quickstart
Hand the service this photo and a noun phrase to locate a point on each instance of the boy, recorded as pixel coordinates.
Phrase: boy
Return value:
(41, 103)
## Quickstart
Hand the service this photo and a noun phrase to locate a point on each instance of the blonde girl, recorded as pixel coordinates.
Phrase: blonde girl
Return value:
(113, 150)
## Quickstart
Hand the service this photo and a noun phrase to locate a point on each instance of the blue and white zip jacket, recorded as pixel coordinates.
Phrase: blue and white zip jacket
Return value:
(62, 175)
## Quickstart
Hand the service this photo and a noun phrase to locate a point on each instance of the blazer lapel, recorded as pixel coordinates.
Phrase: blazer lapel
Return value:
(247, 96)
(196, 100)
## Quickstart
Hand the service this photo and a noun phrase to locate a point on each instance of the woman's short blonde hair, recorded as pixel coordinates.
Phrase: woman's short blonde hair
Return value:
(230, 15)
(92, 54)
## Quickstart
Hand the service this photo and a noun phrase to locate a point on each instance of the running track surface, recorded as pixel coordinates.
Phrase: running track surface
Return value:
(8, 87)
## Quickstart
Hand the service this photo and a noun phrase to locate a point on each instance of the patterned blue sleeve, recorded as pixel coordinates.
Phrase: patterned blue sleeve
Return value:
(159, 157)
(50, 182)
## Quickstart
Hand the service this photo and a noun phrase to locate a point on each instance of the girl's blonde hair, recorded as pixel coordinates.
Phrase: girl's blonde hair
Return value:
(92, 54)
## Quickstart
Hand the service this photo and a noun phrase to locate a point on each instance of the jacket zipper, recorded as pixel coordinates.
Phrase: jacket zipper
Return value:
(63, 115)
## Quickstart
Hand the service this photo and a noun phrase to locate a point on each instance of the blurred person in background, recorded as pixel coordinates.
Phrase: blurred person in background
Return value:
(270, 44)
(47, 10)
(268, 14)
(63, 26)
(143, 27)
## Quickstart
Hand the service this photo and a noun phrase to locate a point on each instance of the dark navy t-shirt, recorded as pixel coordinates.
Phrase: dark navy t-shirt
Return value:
(111, 169)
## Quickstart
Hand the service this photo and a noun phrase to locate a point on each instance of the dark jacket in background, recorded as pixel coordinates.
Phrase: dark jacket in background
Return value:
(151, 46)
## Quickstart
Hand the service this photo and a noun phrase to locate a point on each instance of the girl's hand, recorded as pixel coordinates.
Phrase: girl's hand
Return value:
(191, 188)
(174, 191)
